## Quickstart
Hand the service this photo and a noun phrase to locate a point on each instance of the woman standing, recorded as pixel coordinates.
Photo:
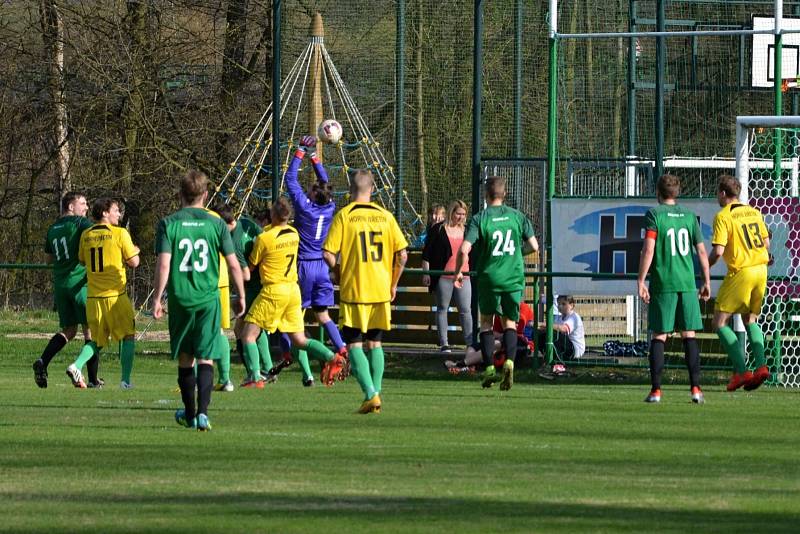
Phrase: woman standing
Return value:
(441, 247)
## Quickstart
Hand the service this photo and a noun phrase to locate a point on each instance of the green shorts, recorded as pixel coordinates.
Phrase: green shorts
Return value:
(71, 305)
(195, 330)
(505, 304)
(674, 312)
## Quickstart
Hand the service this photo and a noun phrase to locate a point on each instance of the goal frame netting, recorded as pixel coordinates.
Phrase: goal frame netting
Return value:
(767, 172)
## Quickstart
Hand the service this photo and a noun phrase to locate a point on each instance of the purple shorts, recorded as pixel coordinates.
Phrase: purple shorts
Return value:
(316, 287)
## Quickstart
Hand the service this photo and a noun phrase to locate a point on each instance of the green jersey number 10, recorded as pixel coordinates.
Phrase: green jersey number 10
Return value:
(682, 241)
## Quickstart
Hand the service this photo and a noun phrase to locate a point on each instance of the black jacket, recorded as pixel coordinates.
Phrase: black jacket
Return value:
(437, 251)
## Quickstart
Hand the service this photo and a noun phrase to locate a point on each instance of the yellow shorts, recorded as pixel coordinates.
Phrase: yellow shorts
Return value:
(742, 291)
(110, 317)
(277, 307)
(225, 307)
(365, 317)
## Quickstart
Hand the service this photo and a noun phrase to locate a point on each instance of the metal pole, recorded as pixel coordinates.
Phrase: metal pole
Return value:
(660, 66)
(276, 98)
(552, 145)
(399, 110)
(632, 81)
(518, 78)
(477, 96)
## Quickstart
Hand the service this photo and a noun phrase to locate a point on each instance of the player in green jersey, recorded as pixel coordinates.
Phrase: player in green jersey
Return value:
(69, 286)
(188, 244)
(671, 232)
(244, 236)
(503, 235)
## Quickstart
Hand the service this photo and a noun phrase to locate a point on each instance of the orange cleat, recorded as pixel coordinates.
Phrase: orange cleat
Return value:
(331, 370)
(739, 379)
(253, 384)
(761, 375)
(345, 372)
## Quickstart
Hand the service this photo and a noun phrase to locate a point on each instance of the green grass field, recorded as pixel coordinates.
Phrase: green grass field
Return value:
(444, 456)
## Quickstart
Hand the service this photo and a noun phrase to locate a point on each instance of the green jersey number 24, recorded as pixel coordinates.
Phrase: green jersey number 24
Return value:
(503, 244)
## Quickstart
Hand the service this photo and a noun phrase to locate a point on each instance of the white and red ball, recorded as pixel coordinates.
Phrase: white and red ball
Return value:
(329, 131)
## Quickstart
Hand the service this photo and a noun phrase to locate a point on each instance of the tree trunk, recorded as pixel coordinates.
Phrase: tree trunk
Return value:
(133, 110)
(233, 68)
(53, 37)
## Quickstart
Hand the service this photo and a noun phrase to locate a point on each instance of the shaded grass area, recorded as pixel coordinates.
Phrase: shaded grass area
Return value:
(584, 454)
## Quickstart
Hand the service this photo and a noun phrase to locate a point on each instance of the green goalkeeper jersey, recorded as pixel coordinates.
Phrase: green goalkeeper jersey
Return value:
(62, 243)
(195, 238)
(676, 232)
(499, 233)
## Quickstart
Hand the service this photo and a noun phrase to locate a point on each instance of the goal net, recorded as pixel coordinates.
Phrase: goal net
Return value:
(767, 153)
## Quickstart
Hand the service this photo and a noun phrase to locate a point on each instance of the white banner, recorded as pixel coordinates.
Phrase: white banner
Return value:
(605, 236)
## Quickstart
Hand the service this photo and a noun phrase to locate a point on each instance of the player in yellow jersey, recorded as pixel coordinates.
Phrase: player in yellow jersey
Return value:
(105, 249)
(740, 238)
(372, 252)
(278, 305)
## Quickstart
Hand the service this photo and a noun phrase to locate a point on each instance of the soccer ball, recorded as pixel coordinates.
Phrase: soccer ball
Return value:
(329, 131)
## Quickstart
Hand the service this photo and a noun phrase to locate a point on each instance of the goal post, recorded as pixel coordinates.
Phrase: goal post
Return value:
(767, 152)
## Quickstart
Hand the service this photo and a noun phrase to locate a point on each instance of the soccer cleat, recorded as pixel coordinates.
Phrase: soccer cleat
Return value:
(508, 375)
(96, 385)
(203, 424)
(738, 380)
(76, 376)
(269, 377)
(331, 369)
(761, 374)
(276, 369)
(125, 385)
(697, 395)
(445, 349)
(252, 384)
(654, 396)
(40, 373)
(489, 377)
(308, 382)
(226, 387)
(180, 418)
(345, 372)
(372, 405)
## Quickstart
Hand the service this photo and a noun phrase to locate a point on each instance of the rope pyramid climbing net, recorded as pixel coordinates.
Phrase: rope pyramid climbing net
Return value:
(314, 87)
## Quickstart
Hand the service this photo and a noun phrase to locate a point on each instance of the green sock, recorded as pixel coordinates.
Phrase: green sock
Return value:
(251, 353)
(302, 358)
(360, 367)
(756, 337)
(126, 359)
(85, 354)
(224, 362)
(376, 366)
(319, 351)
(263, 351)
(731, 345)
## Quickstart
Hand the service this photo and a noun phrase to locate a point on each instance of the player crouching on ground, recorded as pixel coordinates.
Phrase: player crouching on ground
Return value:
(741, 238)
(277, 306)
(188, 243)
(671, 231)
(373, 254)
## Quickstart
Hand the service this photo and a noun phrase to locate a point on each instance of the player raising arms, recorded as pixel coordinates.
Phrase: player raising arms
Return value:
(501, 233)
(313, 213)
(277, 306)
(373, 254)
(69, 287)
(670, 233)
(188, 244)
(740, 238)
(105, 250)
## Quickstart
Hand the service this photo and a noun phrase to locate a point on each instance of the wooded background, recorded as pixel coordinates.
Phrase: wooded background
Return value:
(120, 98)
